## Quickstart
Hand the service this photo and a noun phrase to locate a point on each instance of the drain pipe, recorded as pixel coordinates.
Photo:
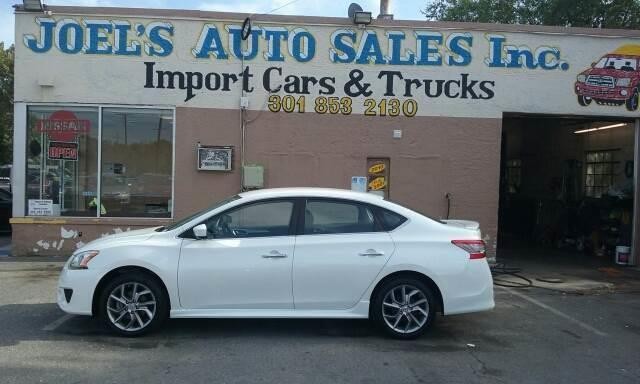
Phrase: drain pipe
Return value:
(384, 10)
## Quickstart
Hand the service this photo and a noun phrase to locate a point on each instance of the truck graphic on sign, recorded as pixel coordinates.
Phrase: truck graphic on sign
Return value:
(612, 80)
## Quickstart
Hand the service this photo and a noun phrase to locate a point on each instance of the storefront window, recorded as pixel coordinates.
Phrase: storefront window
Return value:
(137, 160)
(62, 162)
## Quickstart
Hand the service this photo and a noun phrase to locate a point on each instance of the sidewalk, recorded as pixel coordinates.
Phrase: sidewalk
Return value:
(568, 272)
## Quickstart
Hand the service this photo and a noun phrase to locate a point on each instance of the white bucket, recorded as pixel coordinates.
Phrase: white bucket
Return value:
(622, 255)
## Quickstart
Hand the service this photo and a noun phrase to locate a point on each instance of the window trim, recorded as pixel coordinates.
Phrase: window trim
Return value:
(378, 227)
(588, 190)
(378, 212)
(293, 220)
(99, 108)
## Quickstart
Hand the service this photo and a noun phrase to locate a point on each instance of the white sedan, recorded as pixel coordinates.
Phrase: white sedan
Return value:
(284, 253)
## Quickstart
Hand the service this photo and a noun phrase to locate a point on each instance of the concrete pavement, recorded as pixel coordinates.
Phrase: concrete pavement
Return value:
(532, 336)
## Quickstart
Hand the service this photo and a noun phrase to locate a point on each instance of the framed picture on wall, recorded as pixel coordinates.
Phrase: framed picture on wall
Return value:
(214, 158)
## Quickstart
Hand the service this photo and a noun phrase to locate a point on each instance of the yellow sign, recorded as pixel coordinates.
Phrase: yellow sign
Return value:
(376, 168)
(629, 49)
(378, 183)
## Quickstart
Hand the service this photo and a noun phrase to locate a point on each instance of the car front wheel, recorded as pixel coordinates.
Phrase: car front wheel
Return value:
(583, 100)
(133, 304)
(404, 308)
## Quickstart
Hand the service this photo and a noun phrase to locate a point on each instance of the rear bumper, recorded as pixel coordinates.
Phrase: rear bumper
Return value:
(472, 291)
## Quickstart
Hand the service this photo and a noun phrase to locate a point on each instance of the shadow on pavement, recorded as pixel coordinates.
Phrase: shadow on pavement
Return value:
(25, 322)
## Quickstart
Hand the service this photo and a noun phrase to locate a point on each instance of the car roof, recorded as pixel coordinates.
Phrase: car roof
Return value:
(312, 192)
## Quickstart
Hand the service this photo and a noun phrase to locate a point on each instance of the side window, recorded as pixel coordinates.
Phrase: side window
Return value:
(390, 220)
(328, 216)
(254, 220)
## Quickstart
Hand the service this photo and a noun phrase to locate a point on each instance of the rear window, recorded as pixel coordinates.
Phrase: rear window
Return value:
(390, 220)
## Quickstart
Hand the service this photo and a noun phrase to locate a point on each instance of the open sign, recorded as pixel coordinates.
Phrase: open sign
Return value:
(62, 151)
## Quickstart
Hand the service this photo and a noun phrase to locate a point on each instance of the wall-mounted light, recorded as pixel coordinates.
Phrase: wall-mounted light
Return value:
(32, 5)
(362, 18)
(601, 128)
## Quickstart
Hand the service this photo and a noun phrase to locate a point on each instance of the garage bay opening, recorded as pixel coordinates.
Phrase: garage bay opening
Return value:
(566, 190)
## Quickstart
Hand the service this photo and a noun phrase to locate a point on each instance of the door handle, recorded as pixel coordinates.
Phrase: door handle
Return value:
(371, 253)
(274, 255)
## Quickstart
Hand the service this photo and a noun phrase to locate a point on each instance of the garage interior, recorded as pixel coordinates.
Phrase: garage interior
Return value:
(566, 189)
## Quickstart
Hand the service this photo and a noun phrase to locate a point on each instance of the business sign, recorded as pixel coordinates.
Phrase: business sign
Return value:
(40, 207)
(62, 151)
(63, 126)
(388, 72)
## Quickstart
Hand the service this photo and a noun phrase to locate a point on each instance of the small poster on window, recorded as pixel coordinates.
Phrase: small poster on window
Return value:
(40, 207)
(214, 158)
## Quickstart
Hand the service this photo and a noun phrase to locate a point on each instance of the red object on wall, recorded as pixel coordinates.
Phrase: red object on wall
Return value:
(63, 126)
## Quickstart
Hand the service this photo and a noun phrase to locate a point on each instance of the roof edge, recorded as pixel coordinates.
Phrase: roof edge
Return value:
(295, 19)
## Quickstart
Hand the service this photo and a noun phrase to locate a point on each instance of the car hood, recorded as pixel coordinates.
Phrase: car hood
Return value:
(127, 236)
(609, 72)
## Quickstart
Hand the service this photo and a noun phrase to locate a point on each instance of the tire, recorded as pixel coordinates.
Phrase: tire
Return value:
(584, 101)
(411, 323)
(632, 102)
(126, 316)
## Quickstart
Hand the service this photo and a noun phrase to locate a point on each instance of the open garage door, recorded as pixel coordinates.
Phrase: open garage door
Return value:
(567, 189)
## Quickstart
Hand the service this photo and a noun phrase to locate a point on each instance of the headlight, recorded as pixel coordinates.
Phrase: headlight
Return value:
(81, 260)
(582, 78)
(623, 82)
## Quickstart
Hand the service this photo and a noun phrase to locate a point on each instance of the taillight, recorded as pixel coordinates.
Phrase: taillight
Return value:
(475, 248)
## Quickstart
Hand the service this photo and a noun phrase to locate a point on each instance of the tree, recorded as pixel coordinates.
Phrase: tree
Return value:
(567, 13)
(6, 103)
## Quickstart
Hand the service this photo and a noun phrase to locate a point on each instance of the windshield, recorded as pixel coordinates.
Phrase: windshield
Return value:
(179, 223)
(620, 63)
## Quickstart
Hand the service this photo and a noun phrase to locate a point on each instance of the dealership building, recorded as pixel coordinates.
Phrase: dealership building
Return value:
(128, 118)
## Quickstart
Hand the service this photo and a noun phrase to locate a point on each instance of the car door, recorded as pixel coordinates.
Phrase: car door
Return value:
(340, 250)
(245, 261)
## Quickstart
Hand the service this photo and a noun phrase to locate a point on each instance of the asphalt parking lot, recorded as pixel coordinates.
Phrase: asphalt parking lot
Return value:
(532, 336)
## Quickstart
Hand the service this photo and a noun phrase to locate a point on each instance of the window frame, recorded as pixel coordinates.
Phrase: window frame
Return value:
(597, 191)
(99, 157)
(379, 212)
(377, 220)
(293, 220)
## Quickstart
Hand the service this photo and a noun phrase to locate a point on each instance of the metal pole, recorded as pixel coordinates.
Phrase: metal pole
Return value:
(384, 10)
(635, 242)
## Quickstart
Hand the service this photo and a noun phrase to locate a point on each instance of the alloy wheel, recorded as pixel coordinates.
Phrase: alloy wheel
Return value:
(131, 306)
(405, 309)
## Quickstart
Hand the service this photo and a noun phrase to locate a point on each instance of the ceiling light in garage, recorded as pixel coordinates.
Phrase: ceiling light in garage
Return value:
(601, 128)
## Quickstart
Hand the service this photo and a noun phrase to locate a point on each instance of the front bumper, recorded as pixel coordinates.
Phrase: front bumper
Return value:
(82, 284)
(604, 93)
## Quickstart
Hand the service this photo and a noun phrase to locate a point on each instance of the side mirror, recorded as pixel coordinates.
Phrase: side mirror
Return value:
(200, 231)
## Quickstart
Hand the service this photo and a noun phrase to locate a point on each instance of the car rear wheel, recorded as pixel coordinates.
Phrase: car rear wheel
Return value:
(404, 308)
(133, 304)
(632, 102)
